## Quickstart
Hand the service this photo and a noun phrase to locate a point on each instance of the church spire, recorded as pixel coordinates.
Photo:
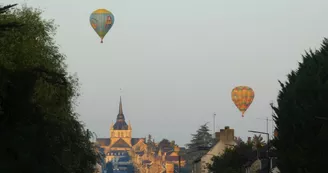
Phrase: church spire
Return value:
(120, 120)
(120, 112)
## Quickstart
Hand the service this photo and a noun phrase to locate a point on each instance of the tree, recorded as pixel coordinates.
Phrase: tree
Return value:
(258, 143)
(5, 24)
(302, 101)
(232, 160)
(202, 138)
(149, 140)
(37, 119)
(164, 143)
(173, 144)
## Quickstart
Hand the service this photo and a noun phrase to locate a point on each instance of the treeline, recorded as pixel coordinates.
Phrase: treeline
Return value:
(40, 131)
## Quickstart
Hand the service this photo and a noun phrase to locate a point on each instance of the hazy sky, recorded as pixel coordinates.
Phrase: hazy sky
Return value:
(178, 60)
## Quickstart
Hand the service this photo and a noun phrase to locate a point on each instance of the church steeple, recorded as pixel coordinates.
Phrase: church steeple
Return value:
(120, 112)
(120, 120)
(120, 116)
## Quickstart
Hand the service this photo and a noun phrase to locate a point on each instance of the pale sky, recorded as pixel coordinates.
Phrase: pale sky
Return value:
(178, 60)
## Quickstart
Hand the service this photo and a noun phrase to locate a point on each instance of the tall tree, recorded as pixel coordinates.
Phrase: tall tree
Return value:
(202, 138)
(37, 119)
(301, 116)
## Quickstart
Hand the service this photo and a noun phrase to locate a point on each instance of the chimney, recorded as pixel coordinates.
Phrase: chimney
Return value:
(227, 134)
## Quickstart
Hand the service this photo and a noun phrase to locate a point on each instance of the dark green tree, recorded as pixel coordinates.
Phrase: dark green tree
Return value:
(301, 116)
(38, 122)
(202, 138)
(232, 160)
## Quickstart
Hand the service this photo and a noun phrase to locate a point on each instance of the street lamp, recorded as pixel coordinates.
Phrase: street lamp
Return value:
(252, 131)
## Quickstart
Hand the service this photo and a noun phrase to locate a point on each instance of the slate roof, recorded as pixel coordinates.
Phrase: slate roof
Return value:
(106, 141)
(103, 141)
(173, 158)
(121, 144)
(136, 140)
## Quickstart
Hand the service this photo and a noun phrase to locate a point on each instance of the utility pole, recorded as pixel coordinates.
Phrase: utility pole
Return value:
(214, 114)
(267, 123)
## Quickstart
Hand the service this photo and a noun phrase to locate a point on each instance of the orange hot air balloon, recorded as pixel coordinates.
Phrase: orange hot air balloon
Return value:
(243, 97)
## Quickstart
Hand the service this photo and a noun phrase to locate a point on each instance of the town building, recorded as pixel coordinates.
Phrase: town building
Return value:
(120, 141)
(226, 139)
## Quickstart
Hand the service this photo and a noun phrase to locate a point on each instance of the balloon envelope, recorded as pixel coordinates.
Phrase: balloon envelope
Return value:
(242, 96)
(102, 21)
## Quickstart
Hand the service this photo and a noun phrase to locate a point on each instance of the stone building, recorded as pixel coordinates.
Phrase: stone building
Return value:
(120, 141)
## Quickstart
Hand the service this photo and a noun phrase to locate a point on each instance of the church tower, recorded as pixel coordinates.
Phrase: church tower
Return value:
(120, 130)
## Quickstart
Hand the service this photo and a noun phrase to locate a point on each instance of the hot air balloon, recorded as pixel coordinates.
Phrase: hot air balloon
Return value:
(101, 21)
(243, 97)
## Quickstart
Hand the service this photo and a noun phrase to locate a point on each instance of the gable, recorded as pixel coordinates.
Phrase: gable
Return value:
(120, 144)
(134, 141)
(140, 146)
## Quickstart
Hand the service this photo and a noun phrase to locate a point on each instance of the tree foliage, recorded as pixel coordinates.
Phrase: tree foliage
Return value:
(258, 141)
(302, 101)
(37, 121)
(6, 25)
(202, 138)
(232, 160)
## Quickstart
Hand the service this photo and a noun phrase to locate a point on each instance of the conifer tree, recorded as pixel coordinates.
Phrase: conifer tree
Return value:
(301, 116)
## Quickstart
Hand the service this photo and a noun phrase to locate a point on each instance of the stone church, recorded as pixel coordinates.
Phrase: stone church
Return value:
(120, 142)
